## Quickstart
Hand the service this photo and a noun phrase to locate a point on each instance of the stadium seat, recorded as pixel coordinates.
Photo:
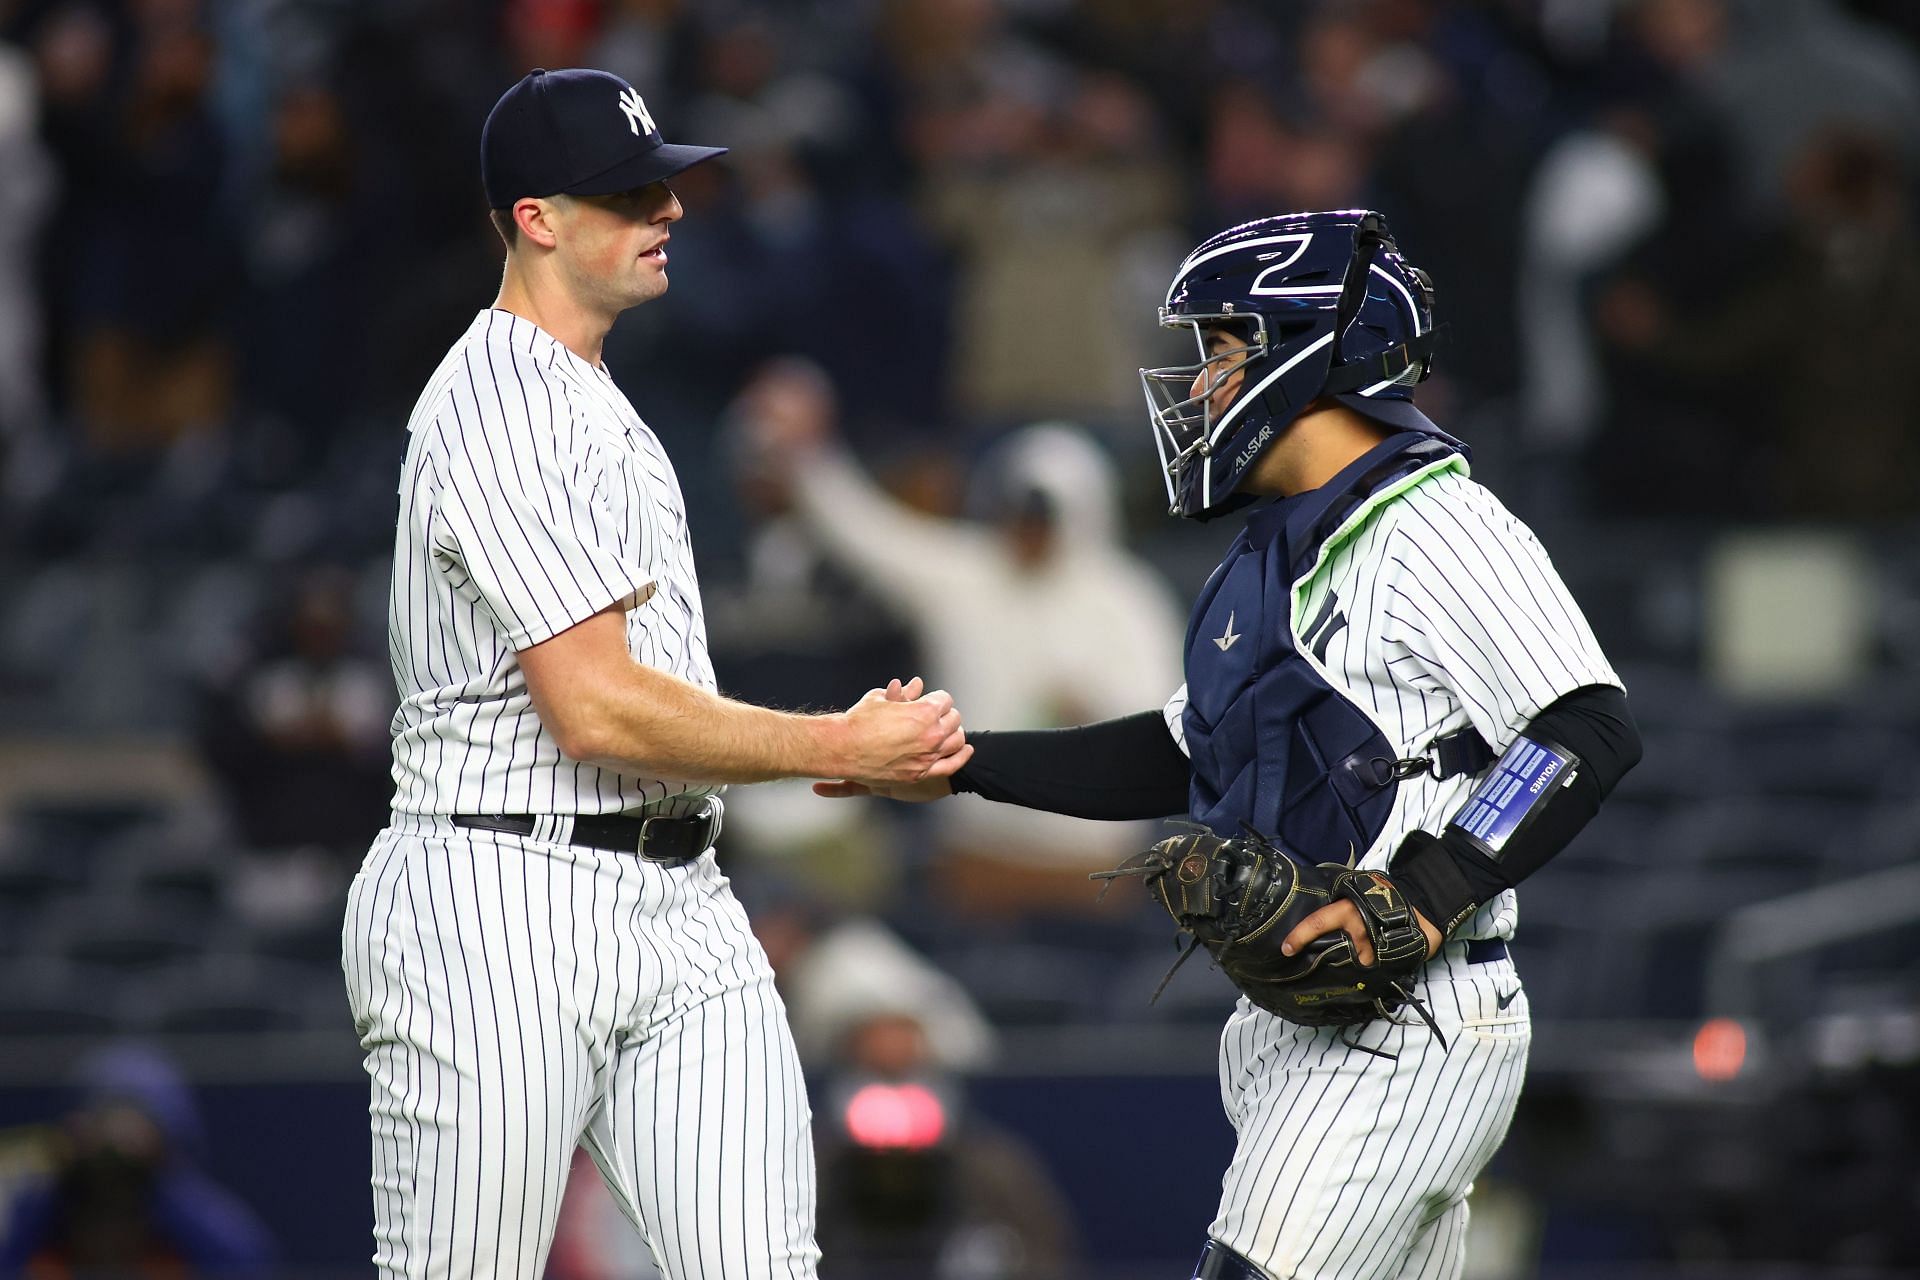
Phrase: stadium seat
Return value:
(34, 879)
(45, 998)
(1198, 994)
(190, 876)
(118, 937)
(311, 943)
(78, 828)
(1027, 984)
(1821, 756)
(1890, 836)
(230, 995)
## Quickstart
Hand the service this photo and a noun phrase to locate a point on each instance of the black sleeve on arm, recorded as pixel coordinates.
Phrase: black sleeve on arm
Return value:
(1446, 877)
(1116, 769)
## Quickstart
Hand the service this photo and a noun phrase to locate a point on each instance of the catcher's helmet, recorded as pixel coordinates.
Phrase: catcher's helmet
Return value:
(1326, 307)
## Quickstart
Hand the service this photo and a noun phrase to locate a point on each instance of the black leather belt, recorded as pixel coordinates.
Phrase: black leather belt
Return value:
(1217, 1262)
(670, 841)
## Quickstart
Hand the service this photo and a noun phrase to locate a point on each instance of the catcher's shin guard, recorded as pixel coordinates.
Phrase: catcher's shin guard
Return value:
(1217, 1262)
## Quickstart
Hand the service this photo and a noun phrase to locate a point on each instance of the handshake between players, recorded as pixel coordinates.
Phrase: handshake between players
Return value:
(1348, 916)
(901, 737)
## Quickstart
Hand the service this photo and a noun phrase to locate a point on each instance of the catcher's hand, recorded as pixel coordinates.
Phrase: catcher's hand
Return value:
(1320, 944)
(1348, 919)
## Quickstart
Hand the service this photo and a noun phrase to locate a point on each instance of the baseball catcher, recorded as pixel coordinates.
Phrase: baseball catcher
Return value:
(1385, 668)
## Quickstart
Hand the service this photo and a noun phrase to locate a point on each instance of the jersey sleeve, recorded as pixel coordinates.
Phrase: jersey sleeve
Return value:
(1175, 714)
(519, 524)
(1475, 609)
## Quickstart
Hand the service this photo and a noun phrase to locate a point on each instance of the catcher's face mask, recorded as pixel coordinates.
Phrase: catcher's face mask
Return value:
(1189, 404)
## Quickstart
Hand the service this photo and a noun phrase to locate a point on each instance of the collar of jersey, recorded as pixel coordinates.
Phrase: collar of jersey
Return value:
(1317, 523)
(1375, 487)
(541, 338)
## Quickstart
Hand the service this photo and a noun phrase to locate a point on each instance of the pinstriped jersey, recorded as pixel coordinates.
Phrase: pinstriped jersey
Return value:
(1432, 608)
(532, 498)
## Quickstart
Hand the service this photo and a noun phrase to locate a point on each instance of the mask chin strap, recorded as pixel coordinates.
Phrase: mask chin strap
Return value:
(1368, 240)
(1394, 363)
(1390, 365)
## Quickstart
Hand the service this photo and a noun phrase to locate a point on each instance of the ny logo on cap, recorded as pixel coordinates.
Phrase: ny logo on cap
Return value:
(636, 112)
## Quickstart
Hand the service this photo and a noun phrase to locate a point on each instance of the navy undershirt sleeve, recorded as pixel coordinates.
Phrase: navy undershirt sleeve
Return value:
(1116, 770)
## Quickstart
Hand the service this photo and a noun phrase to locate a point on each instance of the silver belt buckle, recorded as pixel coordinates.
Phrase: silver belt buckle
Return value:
(709, 813)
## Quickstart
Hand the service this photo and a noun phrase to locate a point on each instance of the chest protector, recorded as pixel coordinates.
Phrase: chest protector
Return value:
(1275, 746)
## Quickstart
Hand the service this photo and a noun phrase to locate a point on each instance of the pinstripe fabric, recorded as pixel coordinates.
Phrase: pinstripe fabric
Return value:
(533, 497)
(1349, 1166)
(1434, 611)
(1454, 616)
(1440, 1250)
(519, 997)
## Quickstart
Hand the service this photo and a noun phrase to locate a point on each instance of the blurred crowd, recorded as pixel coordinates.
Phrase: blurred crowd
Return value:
(1677, 253)
(1672, 237)
(1673, 241)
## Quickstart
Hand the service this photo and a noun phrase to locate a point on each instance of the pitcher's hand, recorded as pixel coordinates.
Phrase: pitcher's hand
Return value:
(932, 786)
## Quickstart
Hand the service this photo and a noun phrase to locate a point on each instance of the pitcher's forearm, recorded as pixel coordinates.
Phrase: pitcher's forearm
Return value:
(654, 724)
(601, 706)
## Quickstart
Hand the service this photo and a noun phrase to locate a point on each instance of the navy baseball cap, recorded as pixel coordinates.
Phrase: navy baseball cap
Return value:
(577, 131)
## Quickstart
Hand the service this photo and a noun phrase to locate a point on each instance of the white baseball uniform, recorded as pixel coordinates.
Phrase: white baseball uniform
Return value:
(1434, 611)
(520, 996)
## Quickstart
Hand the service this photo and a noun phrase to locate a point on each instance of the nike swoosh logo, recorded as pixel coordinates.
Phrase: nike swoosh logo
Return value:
(1225, 641)
(1502, 1001)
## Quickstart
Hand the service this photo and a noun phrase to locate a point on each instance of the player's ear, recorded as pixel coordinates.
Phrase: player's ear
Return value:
(538, 219)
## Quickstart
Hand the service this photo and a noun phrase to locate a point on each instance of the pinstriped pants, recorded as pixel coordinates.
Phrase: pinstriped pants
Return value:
(1352, 1167)
(518, 997)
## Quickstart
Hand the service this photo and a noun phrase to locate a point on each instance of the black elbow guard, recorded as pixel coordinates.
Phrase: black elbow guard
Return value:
(1528, 808)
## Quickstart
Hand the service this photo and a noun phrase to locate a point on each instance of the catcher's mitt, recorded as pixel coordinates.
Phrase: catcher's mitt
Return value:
(1241, 898)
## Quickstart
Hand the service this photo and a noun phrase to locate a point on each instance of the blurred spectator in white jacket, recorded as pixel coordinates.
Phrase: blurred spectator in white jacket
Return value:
(847, 977)
(1035, 617)
(25, 198)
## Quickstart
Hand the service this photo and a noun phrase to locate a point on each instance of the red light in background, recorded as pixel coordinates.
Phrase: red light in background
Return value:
(906, 1116)
(1719, 1049)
